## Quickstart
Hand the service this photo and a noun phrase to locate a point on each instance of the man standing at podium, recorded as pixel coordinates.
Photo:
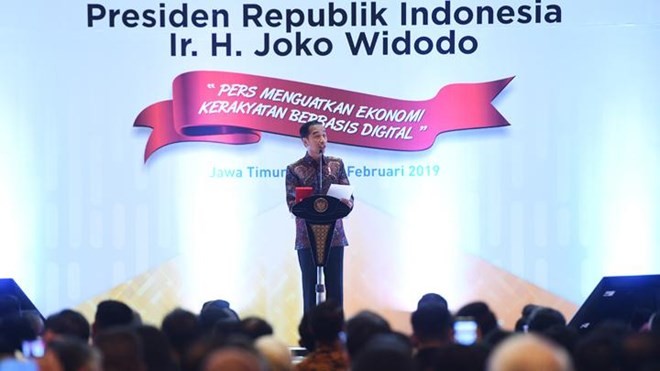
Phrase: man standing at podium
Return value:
(305, 173)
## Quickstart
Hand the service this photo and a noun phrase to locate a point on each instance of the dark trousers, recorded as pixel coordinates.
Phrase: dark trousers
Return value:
(334, 276)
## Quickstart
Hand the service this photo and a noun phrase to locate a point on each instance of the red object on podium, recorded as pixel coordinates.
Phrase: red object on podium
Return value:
(303, 192)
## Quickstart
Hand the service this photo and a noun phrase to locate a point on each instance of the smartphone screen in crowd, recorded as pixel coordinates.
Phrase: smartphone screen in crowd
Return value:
(34, 348)
(465, 330)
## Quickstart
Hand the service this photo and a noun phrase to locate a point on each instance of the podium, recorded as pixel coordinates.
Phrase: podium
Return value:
(320, 213)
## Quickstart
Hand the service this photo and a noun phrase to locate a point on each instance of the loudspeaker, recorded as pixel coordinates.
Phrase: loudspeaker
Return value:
(9, 287)
(621, 298)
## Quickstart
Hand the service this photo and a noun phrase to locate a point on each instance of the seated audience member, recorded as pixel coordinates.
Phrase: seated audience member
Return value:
(432, 328)
(455, 357)
(543, 318)
(66, 323)
(521, 323)
(216, 303)
(564, 336)
(216, 317)
(529, 352)
(601, 348)
(218, 307)
(306, 338)
(110, 314)
(362, 327)
(482, 315)
(198, 353)
(49, 362)
(13, 315)
(275, 352)
(14, 330)
(326, 321)
(549, 323)
(182, 329)
(640, 352)
(35, 320)
(121, 349)
(156, 351)
(74, 354)
(432, 298)
(255, 327)
(233, 359)
(385, 352)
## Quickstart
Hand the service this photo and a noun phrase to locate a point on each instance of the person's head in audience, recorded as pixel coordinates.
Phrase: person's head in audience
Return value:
(214, 310)
(384, 352)
(197, 354)
(121, 349)
(529, 352)
(640, 352)
(521, 323)
(66, 323)
(482, 315)
(431, 326)
(305, 336)
(362, 327)
(156, 349)
(49, 362)
(35, 319)
(10, 321)
(564, 336)
(255, 327)
(326, 322)
(276, 353)
(14, 330)
(233, 359)
(216, 317)
(192, 359)
(216, 303)
(432, 298)
(111, 313)
(74, 354)
(601, 348)
(543, 318)
(182, 329)
(454, 357)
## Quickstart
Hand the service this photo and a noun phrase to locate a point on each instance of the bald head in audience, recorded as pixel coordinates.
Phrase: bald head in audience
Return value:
(276, 353)
(529, 352)
(234, 359)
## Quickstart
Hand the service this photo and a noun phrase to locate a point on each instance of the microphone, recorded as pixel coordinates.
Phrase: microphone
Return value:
(320, 170)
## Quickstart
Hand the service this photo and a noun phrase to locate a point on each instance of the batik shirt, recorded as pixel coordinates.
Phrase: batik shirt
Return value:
(305, 173)
(325, 358)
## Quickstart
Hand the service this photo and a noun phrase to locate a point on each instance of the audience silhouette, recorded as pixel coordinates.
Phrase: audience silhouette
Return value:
(217, 338)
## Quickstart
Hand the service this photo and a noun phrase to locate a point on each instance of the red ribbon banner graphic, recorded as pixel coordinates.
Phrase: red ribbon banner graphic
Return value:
(234, 108)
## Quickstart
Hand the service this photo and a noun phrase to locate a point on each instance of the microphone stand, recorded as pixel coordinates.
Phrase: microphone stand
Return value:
(320, 276)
